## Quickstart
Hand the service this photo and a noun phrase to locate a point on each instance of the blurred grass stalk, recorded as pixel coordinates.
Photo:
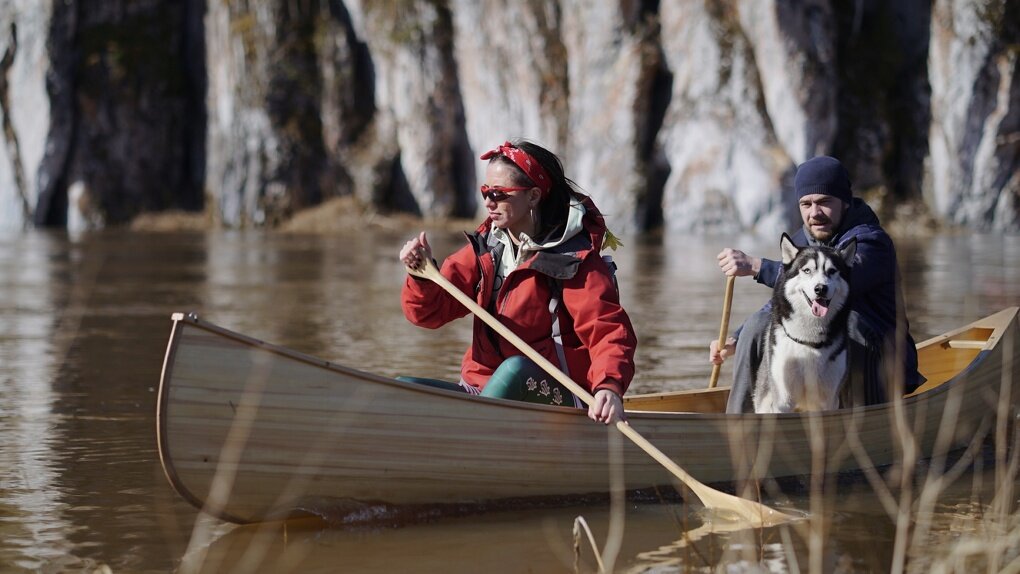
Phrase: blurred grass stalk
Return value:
(909, 494)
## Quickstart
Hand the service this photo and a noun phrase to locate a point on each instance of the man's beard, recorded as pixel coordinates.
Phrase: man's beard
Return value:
(821, 237)
(825, 237)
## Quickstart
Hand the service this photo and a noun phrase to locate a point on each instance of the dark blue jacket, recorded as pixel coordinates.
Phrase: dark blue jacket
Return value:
(875, 293)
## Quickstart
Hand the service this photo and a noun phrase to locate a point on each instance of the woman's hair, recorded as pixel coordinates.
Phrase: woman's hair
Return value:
(552, 211)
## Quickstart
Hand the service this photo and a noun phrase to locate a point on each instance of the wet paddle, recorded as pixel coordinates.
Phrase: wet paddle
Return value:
(754, 513)
(723, 327)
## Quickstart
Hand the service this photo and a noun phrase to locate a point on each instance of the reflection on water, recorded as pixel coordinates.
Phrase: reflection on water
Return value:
(84, 323)
(30, 460)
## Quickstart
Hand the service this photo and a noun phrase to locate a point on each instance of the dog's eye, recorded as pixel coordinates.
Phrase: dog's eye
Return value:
(805, 271)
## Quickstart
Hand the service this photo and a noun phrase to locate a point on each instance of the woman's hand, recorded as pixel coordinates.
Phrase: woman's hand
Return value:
(717, 355)
(416, 251)
(607, 408)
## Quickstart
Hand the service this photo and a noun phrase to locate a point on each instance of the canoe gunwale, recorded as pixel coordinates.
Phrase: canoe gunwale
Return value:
(994, 340)
(193, 319)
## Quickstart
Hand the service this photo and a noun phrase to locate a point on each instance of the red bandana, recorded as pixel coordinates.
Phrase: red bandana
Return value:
(528, 164)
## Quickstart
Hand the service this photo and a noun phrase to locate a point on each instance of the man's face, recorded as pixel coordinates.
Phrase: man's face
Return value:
(822, 215)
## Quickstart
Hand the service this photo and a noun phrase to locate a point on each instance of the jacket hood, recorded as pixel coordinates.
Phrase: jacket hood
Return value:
(574, 224)
(581, 215)
(859, 213)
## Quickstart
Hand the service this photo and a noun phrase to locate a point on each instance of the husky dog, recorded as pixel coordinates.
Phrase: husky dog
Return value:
(804, 358)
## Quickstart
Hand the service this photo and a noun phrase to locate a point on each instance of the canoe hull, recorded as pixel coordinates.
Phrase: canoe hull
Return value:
(250, 431)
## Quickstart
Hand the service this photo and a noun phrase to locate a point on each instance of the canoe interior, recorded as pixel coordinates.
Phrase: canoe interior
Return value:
(939, 360)
(687, 401)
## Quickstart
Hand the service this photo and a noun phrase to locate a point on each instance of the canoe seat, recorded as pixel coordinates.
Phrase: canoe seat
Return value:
(942, 358)
(965, 344)
(711, 400)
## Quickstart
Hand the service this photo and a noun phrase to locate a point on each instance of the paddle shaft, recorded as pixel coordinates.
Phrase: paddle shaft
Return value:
(723, 327)
(711, 498)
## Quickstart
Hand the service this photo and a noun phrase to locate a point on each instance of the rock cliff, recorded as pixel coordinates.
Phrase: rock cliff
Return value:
(692, 115)
(973, 175)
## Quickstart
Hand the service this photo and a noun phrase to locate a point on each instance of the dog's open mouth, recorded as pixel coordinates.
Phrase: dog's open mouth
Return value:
(820, 306)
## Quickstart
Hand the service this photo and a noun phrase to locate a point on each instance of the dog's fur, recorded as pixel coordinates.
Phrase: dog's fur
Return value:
(804, 359)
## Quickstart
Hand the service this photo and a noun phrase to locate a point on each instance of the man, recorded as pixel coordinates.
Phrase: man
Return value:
(877, 324)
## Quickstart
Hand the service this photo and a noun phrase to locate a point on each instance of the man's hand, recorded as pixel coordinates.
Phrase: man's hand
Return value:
(736, 263)
(607, 408)
(717, 355)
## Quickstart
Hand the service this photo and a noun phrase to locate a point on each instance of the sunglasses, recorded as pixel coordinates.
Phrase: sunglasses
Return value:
(498, 193)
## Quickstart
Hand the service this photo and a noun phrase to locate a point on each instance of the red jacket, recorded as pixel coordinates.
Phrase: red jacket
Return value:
(598, 338)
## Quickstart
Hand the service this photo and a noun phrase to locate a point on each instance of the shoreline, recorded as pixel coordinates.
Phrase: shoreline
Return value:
(346, 214)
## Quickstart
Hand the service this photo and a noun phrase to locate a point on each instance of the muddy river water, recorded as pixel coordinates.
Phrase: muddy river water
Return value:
(84, 321)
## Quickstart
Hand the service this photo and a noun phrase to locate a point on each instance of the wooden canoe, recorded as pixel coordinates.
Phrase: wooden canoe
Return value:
(249, 431)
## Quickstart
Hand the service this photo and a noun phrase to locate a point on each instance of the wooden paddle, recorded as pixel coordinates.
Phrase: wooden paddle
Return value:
(723, 327)
(754, 513)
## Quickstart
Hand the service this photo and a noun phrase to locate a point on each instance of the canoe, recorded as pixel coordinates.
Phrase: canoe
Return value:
(249, 431)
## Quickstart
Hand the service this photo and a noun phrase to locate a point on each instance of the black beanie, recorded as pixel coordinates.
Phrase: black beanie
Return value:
(825, 175)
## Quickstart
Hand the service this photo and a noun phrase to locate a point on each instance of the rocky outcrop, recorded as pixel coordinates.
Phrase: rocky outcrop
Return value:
(509, 88)
(974, 167)
(616, 71)
(417, 87)
(692, 115)
(726, 163)
(316, 99)
(794, 49)
(25, 107)
(100, 112)
(135, 132)
(266, 154)
(882, 86)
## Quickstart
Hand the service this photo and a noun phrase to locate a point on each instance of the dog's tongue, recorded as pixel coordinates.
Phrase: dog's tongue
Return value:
(818, 308)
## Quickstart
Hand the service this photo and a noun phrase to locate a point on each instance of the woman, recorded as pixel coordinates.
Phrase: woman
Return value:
(534, 263)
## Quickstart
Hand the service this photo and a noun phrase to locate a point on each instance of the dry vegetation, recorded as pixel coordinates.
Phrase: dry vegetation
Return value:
(345, 214)
(172, 221)
(337, 215)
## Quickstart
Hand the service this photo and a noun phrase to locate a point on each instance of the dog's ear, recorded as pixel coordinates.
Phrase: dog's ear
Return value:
(788, 249)
(848, 251)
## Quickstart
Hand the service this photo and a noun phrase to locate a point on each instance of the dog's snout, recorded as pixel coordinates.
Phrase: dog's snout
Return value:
(821, 289)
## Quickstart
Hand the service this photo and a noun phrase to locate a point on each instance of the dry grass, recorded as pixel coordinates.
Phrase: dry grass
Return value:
(343, 214)
(172, 221)
(337, 215)
(914, 492)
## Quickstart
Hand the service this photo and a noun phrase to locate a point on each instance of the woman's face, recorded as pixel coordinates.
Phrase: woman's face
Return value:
(512, 214)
